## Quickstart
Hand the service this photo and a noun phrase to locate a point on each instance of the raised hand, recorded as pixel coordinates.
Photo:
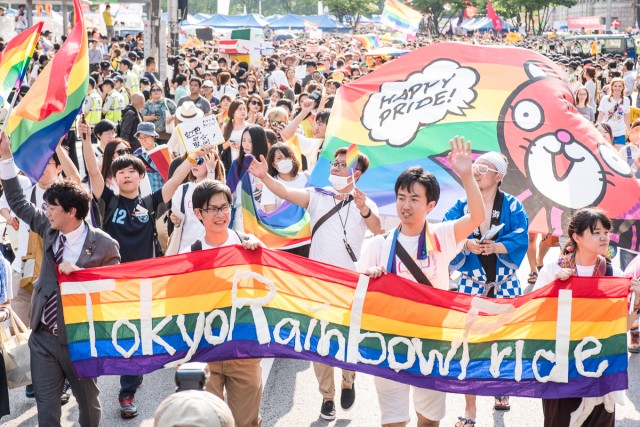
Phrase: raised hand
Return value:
(460, 156)
(259, 168)
(5, 146)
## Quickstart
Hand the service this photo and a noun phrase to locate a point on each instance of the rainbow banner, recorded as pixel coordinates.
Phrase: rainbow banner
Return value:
(368, 41)
(503, 99)
(50, 107)
(285, 228)
(400, 17)
(565, 340)
(15, 59)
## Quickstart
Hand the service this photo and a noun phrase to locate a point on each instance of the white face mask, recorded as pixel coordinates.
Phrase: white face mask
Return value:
(284, 166)
(339, 182)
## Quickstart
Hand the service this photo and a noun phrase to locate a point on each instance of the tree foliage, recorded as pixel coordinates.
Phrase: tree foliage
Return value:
(349, 11)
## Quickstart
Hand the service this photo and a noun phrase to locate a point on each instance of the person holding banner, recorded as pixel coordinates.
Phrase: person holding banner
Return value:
(420, 251)
(338, 229)
(489, 260)
(585, 254)
(69, 244)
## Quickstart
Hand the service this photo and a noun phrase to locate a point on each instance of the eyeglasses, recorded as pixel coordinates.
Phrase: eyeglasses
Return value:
(340, 165)
(277, 123)
(215, 210)
(156, 90)
(483, 169)
(251, 81)
(123, 151)
(254, 102)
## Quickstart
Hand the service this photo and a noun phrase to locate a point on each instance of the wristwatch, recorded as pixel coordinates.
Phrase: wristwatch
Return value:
(211, 171)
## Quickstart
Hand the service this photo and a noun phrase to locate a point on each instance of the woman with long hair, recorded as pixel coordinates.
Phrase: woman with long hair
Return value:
(614, 111)
(285, 167)
(605, 131)
(255, 106)
(187, 227)
(252, 85)
(224, 86)
(583, 104)
(232, 132)
(294, 82)
(223, 110)
(254, 144)
(116, 148)
(585, 254)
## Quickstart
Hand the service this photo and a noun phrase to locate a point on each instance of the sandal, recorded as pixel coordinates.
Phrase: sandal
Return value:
(533, 277)
(634, 342)
(502, 403)
(465, 422)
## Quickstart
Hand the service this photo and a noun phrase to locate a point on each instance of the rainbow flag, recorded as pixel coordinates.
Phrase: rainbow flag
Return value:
(351, 158)
(503, 99)
(15, 59)
(310, 26)
(400, 17)
(285, 228)
(369, 41)
(50, 107)
(567, 339)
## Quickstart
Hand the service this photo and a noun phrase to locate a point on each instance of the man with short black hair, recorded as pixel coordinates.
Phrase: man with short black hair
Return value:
(404, 252)
(195, 84)
(69, 244)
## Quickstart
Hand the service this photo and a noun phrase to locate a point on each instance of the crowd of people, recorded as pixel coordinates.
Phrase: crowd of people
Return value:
(273, 116)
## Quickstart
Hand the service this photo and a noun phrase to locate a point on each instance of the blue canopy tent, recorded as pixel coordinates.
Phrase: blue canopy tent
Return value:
(251, 20)
(296, 22)
(482, 24)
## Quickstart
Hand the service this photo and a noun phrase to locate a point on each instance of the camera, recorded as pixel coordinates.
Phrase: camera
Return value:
(316, 95)
(192, 376)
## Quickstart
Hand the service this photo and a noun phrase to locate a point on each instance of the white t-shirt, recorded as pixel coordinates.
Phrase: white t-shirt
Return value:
(615, 119)
(232, 239)
(23, 231)
(192, 228)
(225, 90)
(548, 273)
(268, 198)
(436, 267)
(327, 244)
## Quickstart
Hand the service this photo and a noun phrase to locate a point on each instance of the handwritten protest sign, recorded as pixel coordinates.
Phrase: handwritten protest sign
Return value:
(199, 133)
(567, 339)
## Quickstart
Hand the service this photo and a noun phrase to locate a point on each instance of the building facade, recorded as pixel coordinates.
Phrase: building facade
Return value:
(623, 10)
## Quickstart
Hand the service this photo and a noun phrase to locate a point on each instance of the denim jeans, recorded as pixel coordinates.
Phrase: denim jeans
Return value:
(129, 384)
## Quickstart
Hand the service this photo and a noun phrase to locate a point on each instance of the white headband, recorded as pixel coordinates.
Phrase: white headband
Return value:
(496, 160)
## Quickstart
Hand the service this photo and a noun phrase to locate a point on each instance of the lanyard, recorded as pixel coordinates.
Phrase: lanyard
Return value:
(422, 247)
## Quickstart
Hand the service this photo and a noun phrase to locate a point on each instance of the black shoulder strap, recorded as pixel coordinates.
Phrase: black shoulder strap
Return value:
(196, 246)
(408, 262)
(184, 195)
(243, 237)
(110, 209)
(609, 270)
(329, 214)
(33, 194)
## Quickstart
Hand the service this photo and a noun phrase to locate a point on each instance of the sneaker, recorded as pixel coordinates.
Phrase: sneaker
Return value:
(634, 342)
(127, 407)
(328, 410)
(28, 391)
(64, 399)
(347, 397)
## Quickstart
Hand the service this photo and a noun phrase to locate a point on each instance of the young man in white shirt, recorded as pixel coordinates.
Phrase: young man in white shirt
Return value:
(242, 378)
(338, 230)
(417, 193)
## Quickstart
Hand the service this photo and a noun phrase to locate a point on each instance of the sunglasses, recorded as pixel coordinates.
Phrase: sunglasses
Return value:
(123, 151)
(156, 90)
(483, 169)
(254, 102)
(200, 161)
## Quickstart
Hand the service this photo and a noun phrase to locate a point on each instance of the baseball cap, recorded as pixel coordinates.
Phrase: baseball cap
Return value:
(108, 82)
(118, 79)
(105, 65)
(126, 62)
(207, 83)
(133, 55)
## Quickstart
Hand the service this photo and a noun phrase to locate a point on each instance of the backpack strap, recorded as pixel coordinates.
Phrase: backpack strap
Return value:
(33, 194)
(147, 203)
(609, 269)
(184, 195)
(110, 209)
(196, 246)
(243, 237)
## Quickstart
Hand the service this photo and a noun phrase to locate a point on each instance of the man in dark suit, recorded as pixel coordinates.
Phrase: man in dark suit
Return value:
(69, 243)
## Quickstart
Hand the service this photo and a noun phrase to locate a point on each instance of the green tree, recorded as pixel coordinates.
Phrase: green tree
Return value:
(439, 11)
(349, 11)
